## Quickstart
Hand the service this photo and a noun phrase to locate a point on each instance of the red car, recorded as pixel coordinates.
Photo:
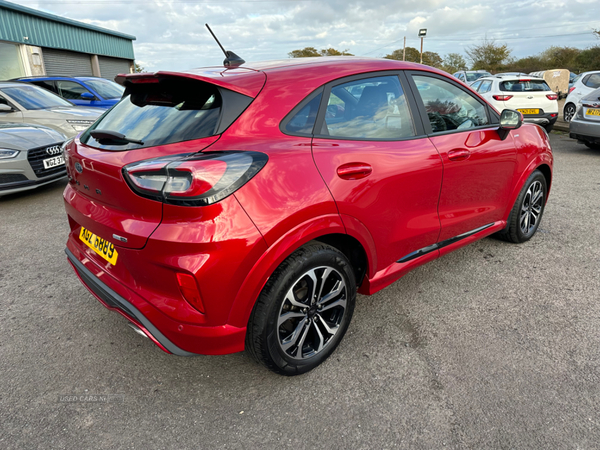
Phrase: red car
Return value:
(229, 208)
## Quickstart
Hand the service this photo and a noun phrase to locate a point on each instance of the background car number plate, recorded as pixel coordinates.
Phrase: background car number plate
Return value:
(529, 111)
(101, 246)
(592, 112)
(53, 162)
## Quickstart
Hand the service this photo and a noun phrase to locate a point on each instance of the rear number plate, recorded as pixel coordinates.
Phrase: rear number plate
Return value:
(105, 249)
(53, 162)
(529, 111)
(592, 112)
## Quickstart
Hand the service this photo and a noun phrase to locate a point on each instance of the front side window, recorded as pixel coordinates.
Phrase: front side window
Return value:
(485, 87)
(370, 108)
(449, 107)
(475, 86)
(70, 90)
(33, 97)
(46, 84)
(524, 86)
(173, 110)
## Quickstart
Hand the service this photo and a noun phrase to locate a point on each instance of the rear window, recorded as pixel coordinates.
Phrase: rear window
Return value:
(174, 110)
(524, 86)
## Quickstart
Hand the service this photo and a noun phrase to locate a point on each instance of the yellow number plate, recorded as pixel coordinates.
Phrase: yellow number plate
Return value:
(529, 111)
(101, 246)
(592, 112)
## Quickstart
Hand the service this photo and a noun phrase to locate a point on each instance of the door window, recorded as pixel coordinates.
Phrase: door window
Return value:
(370, 108)
(70, 90)
(475, 86)
(449, 107)
(592, 80)
(485, 87)
(46, 84)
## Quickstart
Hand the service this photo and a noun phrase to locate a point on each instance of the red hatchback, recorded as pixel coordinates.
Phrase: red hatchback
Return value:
(229, 208)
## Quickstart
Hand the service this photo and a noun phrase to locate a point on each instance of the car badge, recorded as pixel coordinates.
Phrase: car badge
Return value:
(78, 167)
(54, 150)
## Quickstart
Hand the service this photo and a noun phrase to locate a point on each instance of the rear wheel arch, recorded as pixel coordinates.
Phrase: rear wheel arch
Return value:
(352, 249)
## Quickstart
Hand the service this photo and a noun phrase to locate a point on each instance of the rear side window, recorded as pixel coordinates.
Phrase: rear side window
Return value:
(524, 86)
(46, 84)
(475, 86)
(370, 108)
(174, 110)
(304, 120)
(592, 81)
(485, 87)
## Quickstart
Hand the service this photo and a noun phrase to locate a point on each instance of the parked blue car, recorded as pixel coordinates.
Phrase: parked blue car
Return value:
(84, 91)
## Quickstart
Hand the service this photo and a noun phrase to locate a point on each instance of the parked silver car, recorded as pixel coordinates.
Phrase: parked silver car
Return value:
(585, 125)
(27, 103)
(30, 156)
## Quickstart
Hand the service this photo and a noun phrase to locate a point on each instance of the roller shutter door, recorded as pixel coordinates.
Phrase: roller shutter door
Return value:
(111, 67)
(60, 62)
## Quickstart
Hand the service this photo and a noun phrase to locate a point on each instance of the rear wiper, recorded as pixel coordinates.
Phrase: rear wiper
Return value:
(115, 138)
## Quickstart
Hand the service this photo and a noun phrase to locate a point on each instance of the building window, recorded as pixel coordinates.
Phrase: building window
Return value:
(10, 61)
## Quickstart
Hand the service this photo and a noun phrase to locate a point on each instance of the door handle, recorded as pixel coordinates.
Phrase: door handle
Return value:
(458, 155)
(354, 171)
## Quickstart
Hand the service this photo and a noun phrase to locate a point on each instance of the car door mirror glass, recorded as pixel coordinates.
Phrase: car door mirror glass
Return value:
(510, 119)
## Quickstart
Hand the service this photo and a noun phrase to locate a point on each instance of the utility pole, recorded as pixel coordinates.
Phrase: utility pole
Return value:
(422, 34)
(404, 50)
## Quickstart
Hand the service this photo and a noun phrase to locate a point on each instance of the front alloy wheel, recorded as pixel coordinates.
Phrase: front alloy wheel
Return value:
(303, 311)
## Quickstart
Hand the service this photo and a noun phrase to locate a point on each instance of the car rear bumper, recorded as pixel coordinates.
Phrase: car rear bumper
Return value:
(584, 130)
(162, 330)
(541, 119)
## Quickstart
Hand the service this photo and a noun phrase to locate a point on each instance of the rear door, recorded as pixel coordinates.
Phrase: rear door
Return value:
(379, 166)
(478, 166)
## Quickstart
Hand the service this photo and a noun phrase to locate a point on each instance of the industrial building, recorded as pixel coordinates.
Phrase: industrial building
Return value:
(34, 43)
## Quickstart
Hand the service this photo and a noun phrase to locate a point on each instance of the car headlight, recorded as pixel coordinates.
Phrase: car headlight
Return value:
(6, 153)
(80, 125)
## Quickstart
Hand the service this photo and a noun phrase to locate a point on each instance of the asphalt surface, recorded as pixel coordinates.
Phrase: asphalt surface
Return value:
(493, 346)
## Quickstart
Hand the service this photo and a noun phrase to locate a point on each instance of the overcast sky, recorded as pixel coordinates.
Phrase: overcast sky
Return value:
(171, 34)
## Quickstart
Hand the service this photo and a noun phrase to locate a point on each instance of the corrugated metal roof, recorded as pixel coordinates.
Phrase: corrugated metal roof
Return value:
(47, 30)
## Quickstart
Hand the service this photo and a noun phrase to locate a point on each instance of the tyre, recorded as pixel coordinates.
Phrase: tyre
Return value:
(568, 112)
(527, 211)
(303, 311)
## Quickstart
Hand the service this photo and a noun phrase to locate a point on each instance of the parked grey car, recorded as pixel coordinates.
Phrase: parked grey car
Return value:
(27, 103)
(585, 125)
(30, 156)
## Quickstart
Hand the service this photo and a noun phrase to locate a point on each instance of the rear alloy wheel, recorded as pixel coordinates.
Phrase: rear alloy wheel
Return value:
(568, 112)
(304, 310)
(527, 211)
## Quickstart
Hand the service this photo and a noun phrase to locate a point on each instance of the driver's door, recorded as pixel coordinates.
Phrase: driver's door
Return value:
(478, 166)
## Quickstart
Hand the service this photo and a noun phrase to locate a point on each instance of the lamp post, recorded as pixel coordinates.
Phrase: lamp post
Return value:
(422, 34)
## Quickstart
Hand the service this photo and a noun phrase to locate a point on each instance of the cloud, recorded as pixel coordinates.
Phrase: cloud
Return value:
(171, 34)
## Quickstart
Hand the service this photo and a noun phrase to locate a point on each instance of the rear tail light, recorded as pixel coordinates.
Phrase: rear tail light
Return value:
(571, 89)
(552, 96)
(502, 98)
(189, 290)
(199, 179)
(553, 115)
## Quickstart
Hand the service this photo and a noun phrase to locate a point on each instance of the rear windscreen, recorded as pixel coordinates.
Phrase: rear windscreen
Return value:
(173, 110)
(524, 86)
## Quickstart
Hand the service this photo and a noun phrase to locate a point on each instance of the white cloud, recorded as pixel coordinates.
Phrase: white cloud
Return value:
(171, 34)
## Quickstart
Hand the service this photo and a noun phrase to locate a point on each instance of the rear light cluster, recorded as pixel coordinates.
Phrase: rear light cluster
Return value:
(198, 179)
(552, 96)
(502, 98)
(571, 89)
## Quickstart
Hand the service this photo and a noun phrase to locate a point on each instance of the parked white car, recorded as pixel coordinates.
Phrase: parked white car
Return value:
(583, 85)
(532, 97)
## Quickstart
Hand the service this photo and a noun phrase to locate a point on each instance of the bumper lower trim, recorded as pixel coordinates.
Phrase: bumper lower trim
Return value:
(113, 300)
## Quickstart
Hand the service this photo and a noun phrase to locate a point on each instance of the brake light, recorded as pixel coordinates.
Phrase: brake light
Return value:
(197, 179)
(502, 98)
(143, 80)
(571, 89)
(552, 96)
(189, 290)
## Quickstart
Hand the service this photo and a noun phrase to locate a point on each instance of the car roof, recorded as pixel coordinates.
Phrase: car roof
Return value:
(249, 78)
(13, 83)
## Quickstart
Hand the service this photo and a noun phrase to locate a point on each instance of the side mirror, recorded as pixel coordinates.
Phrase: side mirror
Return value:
(5, 108)
(509, 120)
(87, 96)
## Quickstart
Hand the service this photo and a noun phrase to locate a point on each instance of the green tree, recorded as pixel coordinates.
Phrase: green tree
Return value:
(453, 62)
(559, 58)
(412, 55)
(588, 59)
(488, 55)
(432, 59)
(308, 52)
(138, 69)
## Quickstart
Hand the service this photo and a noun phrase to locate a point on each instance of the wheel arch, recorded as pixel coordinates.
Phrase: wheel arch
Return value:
(328, 229)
